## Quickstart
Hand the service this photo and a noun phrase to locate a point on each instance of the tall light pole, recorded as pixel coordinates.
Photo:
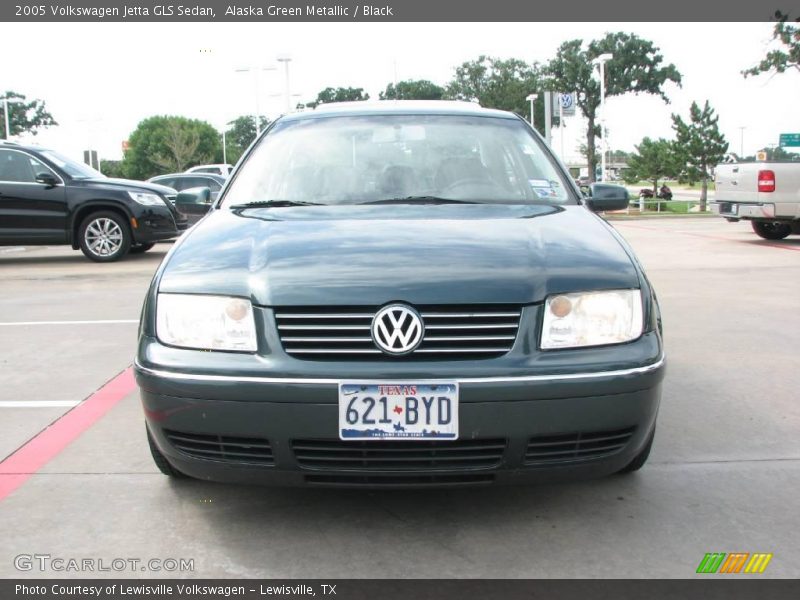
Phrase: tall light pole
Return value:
(741, 141)
(286, 59)
(255, 71)
(601, 62)
(6, 102)
(532, 98)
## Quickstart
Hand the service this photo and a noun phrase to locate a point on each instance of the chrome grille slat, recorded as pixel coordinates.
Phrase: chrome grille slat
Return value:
(452, 332)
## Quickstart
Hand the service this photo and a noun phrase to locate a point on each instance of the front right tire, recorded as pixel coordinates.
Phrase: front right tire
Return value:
(104, 236)
(769, 230)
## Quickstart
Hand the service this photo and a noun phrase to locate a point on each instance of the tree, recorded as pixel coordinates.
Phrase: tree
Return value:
(636, 66)
(498, 83)
(340, 94)
(788, 56)
(112, 168)
(653, 161)
(23, 116)
(240, 134)
(700, 145)
(413, 89)
(166, 144)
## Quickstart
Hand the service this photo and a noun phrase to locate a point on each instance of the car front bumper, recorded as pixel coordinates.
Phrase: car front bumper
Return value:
(526, 413)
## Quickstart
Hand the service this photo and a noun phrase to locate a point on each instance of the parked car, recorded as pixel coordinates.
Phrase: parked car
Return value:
(185, 181)
(221, 169)
(765, 193)
(47, 198)
(401, 294)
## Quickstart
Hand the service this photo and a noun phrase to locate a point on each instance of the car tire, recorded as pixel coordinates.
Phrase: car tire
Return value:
(161, 461)
(769, 230)
(641, 458)
(141, 248)
(104, 236)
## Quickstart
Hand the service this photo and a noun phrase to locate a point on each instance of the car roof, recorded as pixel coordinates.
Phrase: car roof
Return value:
(184, 174)
(17, 146)
(399, 107)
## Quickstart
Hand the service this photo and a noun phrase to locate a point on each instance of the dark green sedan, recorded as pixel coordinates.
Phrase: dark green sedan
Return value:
(401, 294)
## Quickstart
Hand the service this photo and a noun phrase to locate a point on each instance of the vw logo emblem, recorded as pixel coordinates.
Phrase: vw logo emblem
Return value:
(397, 329)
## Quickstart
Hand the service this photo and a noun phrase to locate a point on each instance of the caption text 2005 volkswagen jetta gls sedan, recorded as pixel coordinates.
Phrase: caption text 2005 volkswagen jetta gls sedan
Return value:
(401, 294)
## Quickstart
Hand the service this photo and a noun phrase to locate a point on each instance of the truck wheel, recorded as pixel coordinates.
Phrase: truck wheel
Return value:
(161, 461)
(141, 248)
(104, 236)
(641, 458)
(769, 230)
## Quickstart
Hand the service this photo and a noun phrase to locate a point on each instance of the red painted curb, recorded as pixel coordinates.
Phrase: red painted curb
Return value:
(48, 443)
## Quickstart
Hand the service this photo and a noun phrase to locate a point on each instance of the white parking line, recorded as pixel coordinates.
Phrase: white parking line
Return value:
(38, 403)
(99, 322)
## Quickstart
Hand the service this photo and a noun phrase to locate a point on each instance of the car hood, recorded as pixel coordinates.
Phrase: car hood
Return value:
(110, 182)
(370, 255)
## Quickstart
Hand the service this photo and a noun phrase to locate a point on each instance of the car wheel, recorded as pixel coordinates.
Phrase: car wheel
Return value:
(141, 248)
(161, 461)
(770, 230)
(641, 458)
(104, 236)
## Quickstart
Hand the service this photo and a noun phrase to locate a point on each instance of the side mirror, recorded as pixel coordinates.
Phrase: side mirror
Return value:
(47, 179)
(194, 201)
(607, 196)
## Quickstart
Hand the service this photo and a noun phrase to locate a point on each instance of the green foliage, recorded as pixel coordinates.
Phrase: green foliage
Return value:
(700, 146)
(340, 94)
(112, 168)
(167, 144)
(788, 57)
(24, 116)
(240, 134)
(499, 83)
(637, 67)
(413, 89)
(653, 161)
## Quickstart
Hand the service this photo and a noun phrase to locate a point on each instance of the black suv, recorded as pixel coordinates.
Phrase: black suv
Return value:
(46, 198)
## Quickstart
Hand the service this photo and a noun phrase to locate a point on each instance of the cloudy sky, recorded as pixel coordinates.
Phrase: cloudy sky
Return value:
(101, 79)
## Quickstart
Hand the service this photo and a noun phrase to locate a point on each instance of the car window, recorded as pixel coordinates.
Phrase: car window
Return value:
(167, 181)
(341, 160)
(213, 185)
(19, 167)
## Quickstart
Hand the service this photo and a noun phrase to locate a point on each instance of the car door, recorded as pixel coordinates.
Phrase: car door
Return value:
(30, 212)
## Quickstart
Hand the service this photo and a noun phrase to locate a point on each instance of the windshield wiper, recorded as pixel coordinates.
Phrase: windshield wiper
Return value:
(420, 200)
(275, 203)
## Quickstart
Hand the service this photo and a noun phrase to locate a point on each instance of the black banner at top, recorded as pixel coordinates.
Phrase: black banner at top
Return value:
(392, 10)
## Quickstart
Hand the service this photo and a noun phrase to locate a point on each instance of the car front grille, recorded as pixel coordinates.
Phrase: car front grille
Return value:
(401, 480)
(222, 448)
(568, 447)
(452, 332)
(388, 455)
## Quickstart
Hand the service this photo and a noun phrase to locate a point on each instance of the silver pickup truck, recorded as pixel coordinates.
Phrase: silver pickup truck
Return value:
(765, 193)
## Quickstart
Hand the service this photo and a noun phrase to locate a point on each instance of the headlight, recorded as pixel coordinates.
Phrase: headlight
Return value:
(206, 322)
(146, 198)
(591, 319)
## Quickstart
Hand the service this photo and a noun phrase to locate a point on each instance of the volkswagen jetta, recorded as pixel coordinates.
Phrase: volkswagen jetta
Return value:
(401, 294)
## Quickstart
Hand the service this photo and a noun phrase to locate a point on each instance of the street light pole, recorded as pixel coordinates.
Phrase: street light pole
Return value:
(255, 84)
(741, 141)
(286, 59)
(532, 98)
(601, 62)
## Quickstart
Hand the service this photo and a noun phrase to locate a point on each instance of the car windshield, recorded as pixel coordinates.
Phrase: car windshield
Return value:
(395, 158)
(72, 168)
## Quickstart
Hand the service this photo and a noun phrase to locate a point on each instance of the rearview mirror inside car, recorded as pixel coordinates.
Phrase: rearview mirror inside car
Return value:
(607, 196)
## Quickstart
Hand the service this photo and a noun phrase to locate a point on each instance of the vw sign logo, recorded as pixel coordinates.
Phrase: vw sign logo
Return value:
(397, 329)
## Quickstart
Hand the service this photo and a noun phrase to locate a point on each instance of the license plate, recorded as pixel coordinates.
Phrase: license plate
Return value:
(398, 411)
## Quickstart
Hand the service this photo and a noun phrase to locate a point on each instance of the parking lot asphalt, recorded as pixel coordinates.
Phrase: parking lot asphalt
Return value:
(724, 475)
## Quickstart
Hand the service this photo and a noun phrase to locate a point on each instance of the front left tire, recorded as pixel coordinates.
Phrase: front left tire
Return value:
(161, 461)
